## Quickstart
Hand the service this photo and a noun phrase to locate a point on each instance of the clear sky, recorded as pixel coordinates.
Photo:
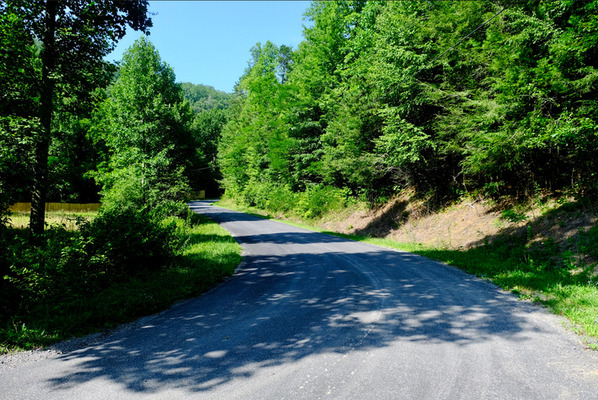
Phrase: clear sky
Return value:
(208, 42)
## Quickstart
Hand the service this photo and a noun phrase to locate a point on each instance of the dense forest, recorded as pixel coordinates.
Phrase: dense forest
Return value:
(445, 97)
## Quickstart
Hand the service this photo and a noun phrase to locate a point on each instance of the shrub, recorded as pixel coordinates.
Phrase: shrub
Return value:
(281, 199)
(37, 274)
(70, 282)
(314, 202)
(133, 187)
(171, 208)
(114, 247)
(121, 243)
(319, 200)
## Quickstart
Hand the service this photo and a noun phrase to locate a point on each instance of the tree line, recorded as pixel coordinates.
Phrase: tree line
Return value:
(446, 97)
(497, 97)
(74, 127)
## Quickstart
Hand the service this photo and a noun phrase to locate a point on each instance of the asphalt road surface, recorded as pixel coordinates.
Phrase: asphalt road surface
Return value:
(310, 316)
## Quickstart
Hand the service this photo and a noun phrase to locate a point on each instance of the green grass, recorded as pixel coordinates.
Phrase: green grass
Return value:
(208, 256)
(533, 274)
(20, 219)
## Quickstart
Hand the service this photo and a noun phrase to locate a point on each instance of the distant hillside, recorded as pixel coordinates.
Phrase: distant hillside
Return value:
(205, 98)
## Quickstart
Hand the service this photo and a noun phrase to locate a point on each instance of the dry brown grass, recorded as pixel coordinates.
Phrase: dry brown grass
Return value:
(469, 223)
(67, 219)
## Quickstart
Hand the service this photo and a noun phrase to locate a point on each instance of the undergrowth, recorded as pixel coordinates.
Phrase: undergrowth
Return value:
(312, 202)
(80, 282)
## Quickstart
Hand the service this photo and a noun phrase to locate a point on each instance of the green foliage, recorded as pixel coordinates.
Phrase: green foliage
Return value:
(207, 131)
(313, 202)
(113, 247)
(150, 185)
(145, 123)
(53, 60)
(375, 103)
(513, 216)
(72, 155)
(254, 140)
(203, 98)
(127, 242)
(120, 266)
(588, 242)
(402, 143)
(15, 157)
(319, 200)
(19, 61)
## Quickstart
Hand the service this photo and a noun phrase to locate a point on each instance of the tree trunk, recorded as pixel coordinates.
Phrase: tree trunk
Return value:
(42, 144)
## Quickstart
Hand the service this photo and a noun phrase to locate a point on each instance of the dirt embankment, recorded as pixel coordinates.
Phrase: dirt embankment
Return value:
(471, 223)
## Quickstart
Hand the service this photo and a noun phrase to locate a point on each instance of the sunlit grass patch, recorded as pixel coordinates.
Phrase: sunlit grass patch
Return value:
(67, 219)
(579, 304)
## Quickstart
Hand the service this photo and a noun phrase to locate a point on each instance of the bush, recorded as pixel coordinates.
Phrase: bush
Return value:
(119, 244)
(257, 194)
(319, 200)
(269, 196)
(314, 202)
(71, 281)
(43, 274)
(114, 247)
(10, 247)
(171, 208)
(281, 199)
(162, 193)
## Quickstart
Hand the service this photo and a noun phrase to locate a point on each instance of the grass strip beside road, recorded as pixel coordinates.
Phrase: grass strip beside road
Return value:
(208, 256)
(568, 291)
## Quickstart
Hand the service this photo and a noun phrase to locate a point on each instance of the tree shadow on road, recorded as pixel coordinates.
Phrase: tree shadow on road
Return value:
(281, 309)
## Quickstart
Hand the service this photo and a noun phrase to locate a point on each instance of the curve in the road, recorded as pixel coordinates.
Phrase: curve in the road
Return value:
(309, 315)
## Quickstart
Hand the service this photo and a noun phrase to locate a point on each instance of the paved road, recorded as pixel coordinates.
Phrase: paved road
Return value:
(311, 316)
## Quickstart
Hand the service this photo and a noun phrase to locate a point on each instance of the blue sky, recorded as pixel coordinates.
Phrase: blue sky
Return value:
(208, 42)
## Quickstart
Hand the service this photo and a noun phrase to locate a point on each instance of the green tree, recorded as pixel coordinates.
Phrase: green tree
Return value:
(319, 65)
(146, 125)
(212, 108)
(19, 71)
(285, 62)
(539, 106)
(421, 90)
(443, 97)
(74, 37)
(254, 141)
(205, 98)
(207, 131)
(72, 155)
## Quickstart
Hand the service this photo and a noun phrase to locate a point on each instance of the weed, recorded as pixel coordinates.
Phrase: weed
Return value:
(513, 216)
